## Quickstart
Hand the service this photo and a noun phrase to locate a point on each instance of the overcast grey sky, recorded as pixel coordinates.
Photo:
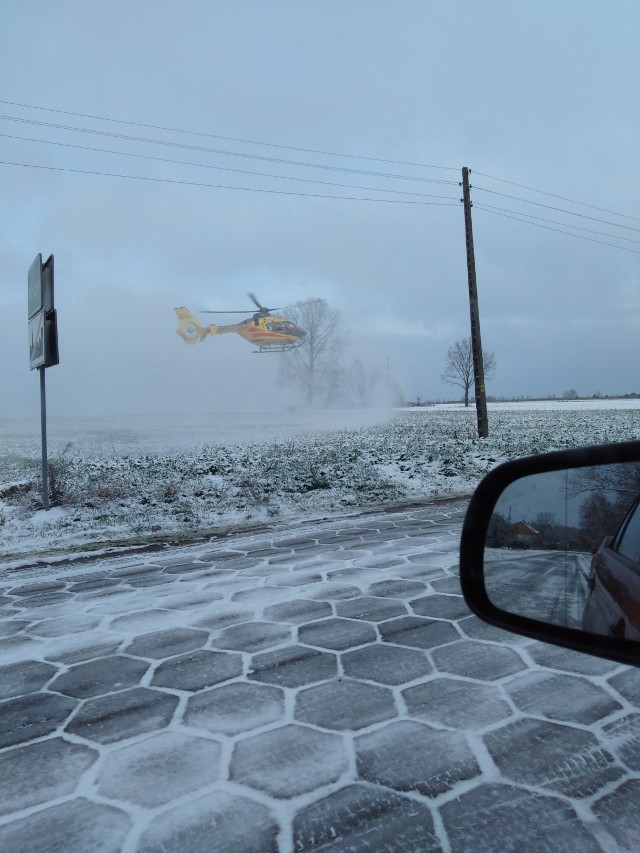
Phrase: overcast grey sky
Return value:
(541, 94)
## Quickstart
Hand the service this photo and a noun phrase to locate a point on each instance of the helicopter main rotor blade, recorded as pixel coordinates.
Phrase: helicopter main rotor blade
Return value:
(255, 302)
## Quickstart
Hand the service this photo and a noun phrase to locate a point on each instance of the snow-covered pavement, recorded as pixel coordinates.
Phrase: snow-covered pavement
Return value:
(318, 689)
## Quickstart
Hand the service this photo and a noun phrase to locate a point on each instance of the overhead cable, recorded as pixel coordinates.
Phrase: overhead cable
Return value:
(491, 207)
(233, 138)
(559, 209)
(553, 195)
(228, 187)
(558, 230)
(225, 152)
(222, 168)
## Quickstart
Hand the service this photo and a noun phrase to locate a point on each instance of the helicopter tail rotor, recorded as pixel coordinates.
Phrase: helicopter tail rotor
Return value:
(190, 329)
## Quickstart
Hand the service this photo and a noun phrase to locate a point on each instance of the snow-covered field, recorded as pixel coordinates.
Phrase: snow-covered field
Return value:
(128, 481)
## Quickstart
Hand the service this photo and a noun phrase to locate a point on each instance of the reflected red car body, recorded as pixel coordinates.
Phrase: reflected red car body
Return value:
(613, 604)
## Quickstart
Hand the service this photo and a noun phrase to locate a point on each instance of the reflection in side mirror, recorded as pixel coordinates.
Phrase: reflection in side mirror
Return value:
(551, 549)
(539, 553)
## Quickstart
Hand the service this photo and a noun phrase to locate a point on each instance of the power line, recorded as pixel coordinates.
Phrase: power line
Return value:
(220, 168)
(232, 138)
(553, 195)
(559, 209)
(558, 230)
(301, 149)
(491, 207)
(227, 153)
(227, 186)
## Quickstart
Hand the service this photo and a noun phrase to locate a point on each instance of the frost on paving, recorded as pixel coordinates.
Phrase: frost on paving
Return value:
(252, 698)
(126, 489)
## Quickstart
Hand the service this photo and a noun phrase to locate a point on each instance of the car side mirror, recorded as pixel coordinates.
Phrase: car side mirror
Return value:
(551, 549)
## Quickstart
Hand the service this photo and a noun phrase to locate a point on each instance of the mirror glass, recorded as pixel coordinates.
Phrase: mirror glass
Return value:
(563, 547)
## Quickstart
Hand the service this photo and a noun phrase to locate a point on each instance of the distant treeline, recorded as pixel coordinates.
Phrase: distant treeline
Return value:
(524, 398)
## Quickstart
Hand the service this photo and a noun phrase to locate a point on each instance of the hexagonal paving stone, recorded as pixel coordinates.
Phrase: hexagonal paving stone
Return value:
(627, 683)
(123, 715)
(456, 704)
(252, 636)
(97, 677)
(19, 648)
(623, 738)
(397, 588)
(555, 657)
(38, 772)
(337, 634)
(74, 827)
(449, 584)
(197, 670)
(165, 644)
(31, 589)
(27, 676)
(481, 661)
(190, 762)
(142, 621)
(336, 591)
(619, 813)
(371, 609)
(440, 606)
(10, 627)
(289, 761)
(220, 618)
(410, 756)
(154, 579)
(492, 817)
(386, 664)
(235, 708)
(64, 625)
(345, 705)
(32, 716)
(479, 630)
(293, 666)
(42, 599)
(79, 647)
(417, 632)
(295, 578)
(561, 697)
(363, 818)
(551, 756)
(298, 611)
(94, 584)
(217, 823)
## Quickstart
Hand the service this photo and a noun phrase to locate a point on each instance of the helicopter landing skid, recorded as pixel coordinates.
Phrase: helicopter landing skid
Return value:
(278, 347)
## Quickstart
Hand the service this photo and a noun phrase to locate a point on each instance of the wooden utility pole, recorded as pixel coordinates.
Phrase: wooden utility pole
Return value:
(476, 343)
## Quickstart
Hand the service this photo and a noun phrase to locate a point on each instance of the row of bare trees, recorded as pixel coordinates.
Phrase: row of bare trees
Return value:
(317, 368)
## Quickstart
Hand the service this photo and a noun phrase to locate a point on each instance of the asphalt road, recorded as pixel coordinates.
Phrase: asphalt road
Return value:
(546, 585)
(323, 688)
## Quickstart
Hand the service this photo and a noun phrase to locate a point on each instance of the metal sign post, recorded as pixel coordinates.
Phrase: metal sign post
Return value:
(43, 344)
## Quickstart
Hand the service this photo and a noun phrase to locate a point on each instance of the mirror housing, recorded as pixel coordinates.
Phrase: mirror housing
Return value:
(473, 549)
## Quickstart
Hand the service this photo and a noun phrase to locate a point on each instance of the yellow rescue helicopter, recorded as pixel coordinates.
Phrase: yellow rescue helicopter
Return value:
(264, 329)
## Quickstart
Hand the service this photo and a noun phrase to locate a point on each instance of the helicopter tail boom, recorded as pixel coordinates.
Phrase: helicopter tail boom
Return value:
(189, 329)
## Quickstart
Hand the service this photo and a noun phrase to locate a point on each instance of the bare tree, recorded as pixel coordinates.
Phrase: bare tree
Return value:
(459, 366)
(312, 365)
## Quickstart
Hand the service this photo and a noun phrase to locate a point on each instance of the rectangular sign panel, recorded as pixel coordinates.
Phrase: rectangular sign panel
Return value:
(36, 340)
(35, 286)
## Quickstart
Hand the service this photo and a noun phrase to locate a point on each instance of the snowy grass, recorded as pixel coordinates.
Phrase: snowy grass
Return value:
(112, 491)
